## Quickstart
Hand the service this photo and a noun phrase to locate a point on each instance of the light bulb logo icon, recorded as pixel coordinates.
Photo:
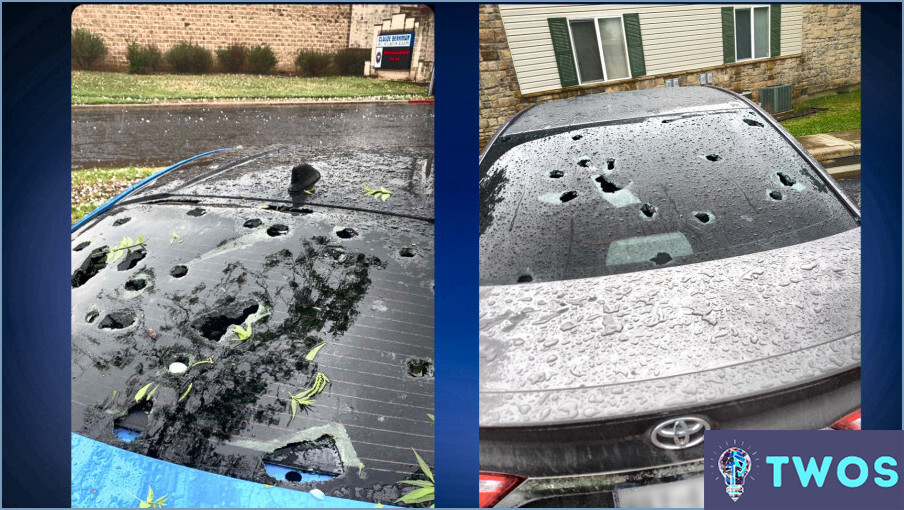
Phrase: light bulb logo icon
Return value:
(735, 466)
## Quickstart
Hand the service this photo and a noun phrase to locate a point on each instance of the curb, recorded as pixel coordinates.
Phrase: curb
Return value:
(828, 146)
(247, 103)
(844, 172)
(830, 153)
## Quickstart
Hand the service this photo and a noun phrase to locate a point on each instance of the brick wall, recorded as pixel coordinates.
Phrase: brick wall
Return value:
(286, 28)
(831, 48)
(829, 60)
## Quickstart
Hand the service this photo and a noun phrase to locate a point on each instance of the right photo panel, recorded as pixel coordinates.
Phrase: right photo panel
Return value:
(669, 243)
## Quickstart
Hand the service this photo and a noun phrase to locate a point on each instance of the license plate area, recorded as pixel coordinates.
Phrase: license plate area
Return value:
(686, 493)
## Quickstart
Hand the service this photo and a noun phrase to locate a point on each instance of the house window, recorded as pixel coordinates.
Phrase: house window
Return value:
(751, 33)
(599, 49)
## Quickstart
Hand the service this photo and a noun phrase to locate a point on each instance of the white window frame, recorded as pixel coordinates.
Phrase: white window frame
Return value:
(752, 34)
(599, 44)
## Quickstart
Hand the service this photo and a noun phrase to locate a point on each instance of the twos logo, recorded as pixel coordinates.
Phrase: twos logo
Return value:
(735, 466)
(803, 469)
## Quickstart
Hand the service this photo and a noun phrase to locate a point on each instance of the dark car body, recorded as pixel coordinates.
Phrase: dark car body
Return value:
(223, 244)
(654, 264)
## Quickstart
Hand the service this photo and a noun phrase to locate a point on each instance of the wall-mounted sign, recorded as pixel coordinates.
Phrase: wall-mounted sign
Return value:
(394, 51)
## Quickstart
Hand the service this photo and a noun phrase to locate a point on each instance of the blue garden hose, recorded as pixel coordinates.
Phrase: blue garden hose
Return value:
(113, 201)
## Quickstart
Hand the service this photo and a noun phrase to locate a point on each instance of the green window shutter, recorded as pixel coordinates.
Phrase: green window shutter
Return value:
(635, 45)
(728, 46)
(561, 46)
(775, 24)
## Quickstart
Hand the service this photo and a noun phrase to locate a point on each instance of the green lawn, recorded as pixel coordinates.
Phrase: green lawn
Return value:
(92, 187)
(91, 87)
(843, 114)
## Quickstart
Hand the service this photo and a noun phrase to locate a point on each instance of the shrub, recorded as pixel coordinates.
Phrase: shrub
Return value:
(142, 59)
(313, 63)
(86, 48)
(261, 59)
(350, 61)
(186, 57)
(233, 57)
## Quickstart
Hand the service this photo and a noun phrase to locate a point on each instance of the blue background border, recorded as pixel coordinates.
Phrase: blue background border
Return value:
(35, 251)
(456, 255)
(36, 292)
(881, 209)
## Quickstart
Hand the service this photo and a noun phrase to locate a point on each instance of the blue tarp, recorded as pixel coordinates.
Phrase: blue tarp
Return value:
(104, 476)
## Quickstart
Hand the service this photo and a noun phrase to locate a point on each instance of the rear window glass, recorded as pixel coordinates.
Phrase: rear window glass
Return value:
(644, 194)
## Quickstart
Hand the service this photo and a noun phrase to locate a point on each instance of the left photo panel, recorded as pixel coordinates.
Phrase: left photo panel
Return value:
(252, 256)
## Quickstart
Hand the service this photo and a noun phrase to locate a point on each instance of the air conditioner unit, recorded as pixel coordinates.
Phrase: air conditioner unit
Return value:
(776, 99)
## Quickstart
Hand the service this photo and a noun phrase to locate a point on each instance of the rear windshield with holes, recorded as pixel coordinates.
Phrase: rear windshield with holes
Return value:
(645, 194)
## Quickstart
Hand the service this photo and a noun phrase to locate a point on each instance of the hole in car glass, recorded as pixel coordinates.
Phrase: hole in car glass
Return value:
(577, 137)
(584, 162)
(607, 185)
(91, 316)
(610, 164)
(214, 325)
(702, 217)
(418, 367)
(568, 196)
(197, 211)
(81, 246)
(277, 230)
(556, 174)
(96, 261)
(320, 457)
(253, 223)
(751, 122)
(661, 258)
(117, 320)
(407, 251)
(525, 278)
(776, 195)
(121, 221)
(346, 233)
(648, 210)
(178, 271)
(713, 157)
(786, 179)
(132, 259)
(135, 421)
(136, 284)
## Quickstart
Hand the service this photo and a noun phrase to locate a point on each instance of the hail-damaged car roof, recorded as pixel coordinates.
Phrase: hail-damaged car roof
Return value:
(332, 291)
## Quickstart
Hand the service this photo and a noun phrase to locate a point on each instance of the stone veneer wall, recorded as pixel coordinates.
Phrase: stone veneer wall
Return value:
(365, 16)
(829, 60)
(286, 28)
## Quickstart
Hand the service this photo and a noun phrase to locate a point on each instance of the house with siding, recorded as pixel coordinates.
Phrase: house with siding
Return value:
(533, 53)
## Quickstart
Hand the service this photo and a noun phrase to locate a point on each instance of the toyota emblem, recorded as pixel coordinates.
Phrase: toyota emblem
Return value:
(679, 433)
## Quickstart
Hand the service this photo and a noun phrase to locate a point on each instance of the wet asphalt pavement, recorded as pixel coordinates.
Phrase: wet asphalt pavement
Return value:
(161, 135)
(852, 188)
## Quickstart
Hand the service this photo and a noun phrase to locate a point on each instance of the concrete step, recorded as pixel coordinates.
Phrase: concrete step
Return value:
(829, 146)
(845, 171)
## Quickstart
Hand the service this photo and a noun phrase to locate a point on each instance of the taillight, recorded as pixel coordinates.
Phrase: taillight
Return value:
(494, 486)
(849, 422)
